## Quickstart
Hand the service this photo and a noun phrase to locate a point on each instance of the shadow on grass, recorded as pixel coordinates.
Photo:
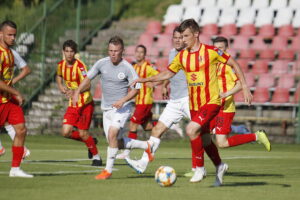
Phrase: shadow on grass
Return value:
(248, 174)
(251, 184)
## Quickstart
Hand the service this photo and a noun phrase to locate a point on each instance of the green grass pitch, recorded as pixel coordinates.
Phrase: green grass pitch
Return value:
(62, 172)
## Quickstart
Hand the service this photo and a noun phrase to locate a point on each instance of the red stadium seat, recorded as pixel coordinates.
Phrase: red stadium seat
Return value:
(267, 31)
(157, 93)
(281, 95)
(279, 43)
(239, 97)
(228, 30)
(244, 64)
(210, 29)
(153, 27)
(153, 51)
(130, 50)
(296, 69)
(146, 39)
(170, 28)
(232, 53)
(98, 92)
(280, 67)
(296, 43)
(287, 54)
(205, 39)
(248, 30)
(247, 53)
(296, 98)
(250, 79)
(286, 81)
(162, 64)
(286, 30)
(259, 43)
(267, 54)
(166, 51)
(261, 95)
(260, 67)
(164, 41)
(266, 80)
(240, 42)
(129, 59)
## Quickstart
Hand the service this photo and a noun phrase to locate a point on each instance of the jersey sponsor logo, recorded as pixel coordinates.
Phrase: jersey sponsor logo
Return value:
(196, 84)
(121, 76)
(193, 77)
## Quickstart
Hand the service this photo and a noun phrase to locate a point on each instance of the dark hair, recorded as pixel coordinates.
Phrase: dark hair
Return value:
(8, 23)
(71, 44)
(221, 39)
(191, 24)
(116, 40)
(143, 47)
(176, 29)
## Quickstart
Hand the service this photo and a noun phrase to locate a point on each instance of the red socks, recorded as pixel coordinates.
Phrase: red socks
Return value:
(17, 156)
(241, 139)
(91, 145)
(213, 153)
(132, 135)
(197, 152)
(75, 136)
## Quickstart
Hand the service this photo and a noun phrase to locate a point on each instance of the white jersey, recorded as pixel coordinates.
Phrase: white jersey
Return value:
(18, 60)
(115, 80)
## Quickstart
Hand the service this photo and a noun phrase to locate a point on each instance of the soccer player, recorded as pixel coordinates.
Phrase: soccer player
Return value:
(144, 100)
(72, 71)
(199, 64)
(10, 108)
(25, 70)
(116, 76)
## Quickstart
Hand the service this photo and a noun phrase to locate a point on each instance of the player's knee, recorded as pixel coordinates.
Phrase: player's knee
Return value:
(66, 133)
(190, 132)
(21, 131)
(222, 143)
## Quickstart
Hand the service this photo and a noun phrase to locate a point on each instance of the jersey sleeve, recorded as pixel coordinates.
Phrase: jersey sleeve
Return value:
(153, 71)
(59, 72)
(175, 65)
(82, 70)
(18, 60)
(95, 70)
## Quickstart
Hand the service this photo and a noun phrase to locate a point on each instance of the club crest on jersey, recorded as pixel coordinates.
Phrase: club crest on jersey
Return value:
(121, 76)
(220, 52)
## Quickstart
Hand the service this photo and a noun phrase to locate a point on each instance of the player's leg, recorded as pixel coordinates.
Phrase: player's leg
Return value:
(70, 120)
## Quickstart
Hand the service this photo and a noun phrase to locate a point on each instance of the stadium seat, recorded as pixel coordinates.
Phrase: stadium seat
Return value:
(242, 4)
(246, 16)
(260, 67)
(281, 95)
(266, 80)
(188, 3)
(146, 39)
(295, 44)
(210, 29)
(228, 16)
(296, 68)
(278, 4)
(153, 27)
(173, 14)
(192, 12)
(280, 67)
(260, 4)
(279, 43)
(267, 54)
(239, 97)
(244, 64)
(207, 3)
(166, 51)
(130, 50)
(286, 30)
(296, 98)
(232, 53)
(287, 54)
(240, 42)
(247, 53)
(129, 59)
(228, 30)
(266, 31)
(164, 41)
(210, 16)
(205, 39)
(264, 17)
(296, 19)
(153, 51)
(248, 30)
(261, 95)
(250, 79)
(157, 93)
(286, 81)
(162, 64)
(258, 43)
(169, 28)
(284, 17)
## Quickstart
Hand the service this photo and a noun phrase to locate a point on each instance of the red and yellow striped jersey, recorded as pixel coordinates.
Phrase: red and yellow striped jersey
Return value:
(201, 74)
(226, 79)
(6, 71)
(145, 93)
(73, 76)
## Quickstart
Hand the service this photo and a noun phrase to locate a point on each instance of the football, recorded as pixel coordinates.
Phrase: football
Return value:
(165, 176)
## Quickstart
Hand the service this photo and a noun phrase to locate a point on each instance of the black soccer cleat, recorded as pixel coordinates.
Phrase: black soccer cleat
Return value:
(90, 155)
(97, 163)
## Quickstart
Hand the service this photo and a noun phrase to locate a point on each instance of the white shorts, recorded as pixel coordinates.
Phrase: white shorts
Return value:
(175, 111)
(116, 118)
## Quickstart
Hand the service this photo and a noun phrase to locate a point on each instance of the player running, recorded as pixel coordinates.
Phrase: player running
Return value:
(70, 73)
(116, 76)
(10, 98)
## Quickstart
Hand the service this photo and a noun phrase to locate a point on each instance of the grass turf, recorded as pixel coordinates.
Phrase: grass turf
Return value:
(61, 174)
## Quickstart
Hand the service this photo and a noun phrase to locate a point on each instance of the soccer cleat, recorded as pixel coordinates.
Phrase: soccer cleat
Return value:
(220, 171)
(199, 175)
(263, 139)
(19, 173)
(2, 151)
(103, 175)
(97, 162)
(189, 174)
(90, 155)
(149, 152)
(26, 153)
(138, 166)
(123, 154)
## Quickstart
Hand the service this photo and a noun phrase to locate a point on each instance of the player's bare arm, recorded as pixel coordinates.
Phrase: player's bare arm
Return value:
(165, 92)
(131, 94)
(246, 91)
(237, 87)
(61, 87)
(159, 77)
(12, 91)
(24, 72)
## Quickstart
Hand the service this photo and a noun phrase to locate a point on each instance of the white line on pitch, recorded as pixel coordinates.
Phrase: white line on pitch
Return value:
(58, 172)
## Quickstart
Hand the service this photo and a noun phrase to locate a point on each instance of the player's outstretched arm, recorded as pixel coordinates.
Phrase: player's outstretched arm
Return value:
(165, 75)
(131, 94)
(237, 87)
(24, 72)
(246, 91)
(84, 85)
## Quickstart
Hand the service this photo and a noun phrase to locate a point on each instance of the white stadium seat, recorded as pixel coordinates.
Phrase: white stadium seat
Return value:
(278, 4)
(296, 19)
(228, 16)
(192, 12)
(246, 16)
(210, 16)
(242, 4)
(264, 17)
(188, 3)
(207, 3)
(294, 4)
(173, 15)
(284, 17)
(225, 3)
(260, 4)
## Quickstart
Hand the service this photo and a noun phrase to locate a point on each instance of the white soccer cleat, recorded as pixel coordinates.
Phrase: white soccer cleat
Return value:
(138, 165)
(199, 175)
(123, 154)
(178, 129)
(26, 153)
(220, 171)
(19, 173)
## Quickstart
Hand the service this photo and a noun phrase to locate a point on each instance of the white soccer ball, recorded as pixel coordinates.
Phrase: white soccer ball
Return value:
(165, 176)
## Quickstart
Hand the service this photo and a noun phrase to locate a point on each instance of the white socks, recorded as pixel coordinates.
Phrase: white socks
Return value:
(111, 156)
(134, 144)
(155, 141)
(96, 157)
(11, 131)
